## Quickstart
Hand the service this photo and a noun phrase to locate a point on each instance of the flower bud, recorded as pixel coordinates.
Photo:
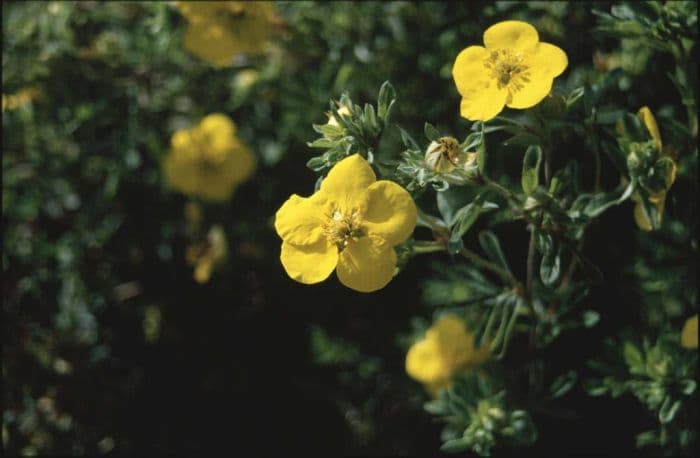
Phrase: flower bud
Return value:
(343, 111)
(444, 155)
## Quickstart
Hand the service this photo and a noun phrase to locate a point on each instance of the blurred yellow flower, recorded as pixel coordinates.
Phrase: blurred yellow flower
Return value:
(218, 31)
(208, 160)
(22, 97)
(514, 69)
(352, 223)
(689, 335)
(205, 256)
(446, 350)
(658, 199)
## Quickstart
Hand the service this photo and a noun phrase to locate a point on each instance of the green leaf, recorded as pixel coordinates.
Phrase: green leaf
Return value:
(371, 119)
(600, 202)
(563, 384)
(633, 358)
(386, 98)
(550, 265)
(431, 132)
(456, 445)
(464, 218)
(322, 143)
(408, 141)
(436, 407)
(590, 318)
(489, 243)
(524, 139)
(531, 169)
(668, 410)
(444, 207)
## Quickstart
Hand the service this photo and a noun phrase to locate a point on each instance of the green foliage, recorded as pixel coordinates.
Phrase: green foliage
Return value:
(663, 376)
(478, 417)
(532, 240)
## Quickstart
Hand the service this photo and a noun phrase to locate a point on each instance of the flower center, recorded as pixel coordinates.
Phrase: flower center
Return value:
(342, 228)
(508, 69)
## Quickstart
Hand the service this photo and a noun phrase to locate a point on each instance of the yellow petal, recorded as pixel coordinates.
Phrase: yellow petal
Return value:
(516, 35)
(469, 68)
(239, 163)
(366, 264)
(179, 173)
(299, 220)
(218, 128)
(547, 62)
(390, 212)
(424, 364)
(212, 42)
(641, 217)
(689, 336)
(649, 121)
(483, 101)
(202, 273)
(311, 263)
(348, 177)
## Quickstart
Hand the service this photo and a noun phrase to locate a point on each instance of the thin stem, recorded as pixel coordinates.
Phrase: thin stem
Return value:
(505, 192)
(530, 262)
(427, 246)
(547, 165)
(488, 265)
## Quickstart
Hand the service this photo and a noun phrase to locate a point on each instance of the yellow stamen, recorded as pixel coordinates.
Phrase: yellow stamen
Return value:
(342, 228)
(508, 69)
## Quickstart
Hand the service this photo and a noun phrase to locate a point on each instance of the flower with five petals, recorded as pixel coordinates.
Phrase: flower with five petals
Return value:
(513, 69)
(350, 225)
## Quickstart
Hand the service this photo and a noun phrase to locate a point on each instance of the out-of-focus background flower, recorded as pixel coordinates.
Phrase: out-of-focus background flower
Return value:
(142, 317)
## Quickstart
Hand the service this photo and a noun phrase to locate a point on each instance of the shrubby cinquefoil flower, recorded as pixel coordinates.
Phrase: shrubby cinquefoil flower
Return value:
(663, 171)
(208, 160)
(351, 225)
(218, 31)
(446, 350)
(514, 69)
(206, 255)
(689, 335)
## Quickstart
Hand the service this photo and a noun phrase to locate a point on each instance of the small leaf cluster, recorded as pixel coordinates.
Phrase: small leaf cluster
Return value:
(356, 133)
(662, 375)
(479, 416)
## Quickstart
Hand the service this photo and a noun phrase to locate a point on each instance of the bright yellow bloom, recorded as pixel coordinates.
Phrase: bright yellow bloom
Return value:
(689, 336)
(658, 199)
(351, 225)
(23, 97)
(206, 255)
(208, 160)
(446, 350)
(218, 31)
(514, 69)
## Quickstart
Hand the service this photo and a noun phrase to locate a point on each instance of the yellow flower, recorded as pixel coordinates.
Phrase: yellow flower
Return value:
(514, 69)
(218, 31)
(351, 224)
(206, 255)
(23, 97)
(658, 199)
(446, 350)
(208, 160)
(689, 336)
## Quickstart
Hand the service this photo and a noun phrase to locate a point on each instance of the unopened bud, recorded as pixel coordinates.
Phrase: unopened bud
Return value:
(444, 155)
